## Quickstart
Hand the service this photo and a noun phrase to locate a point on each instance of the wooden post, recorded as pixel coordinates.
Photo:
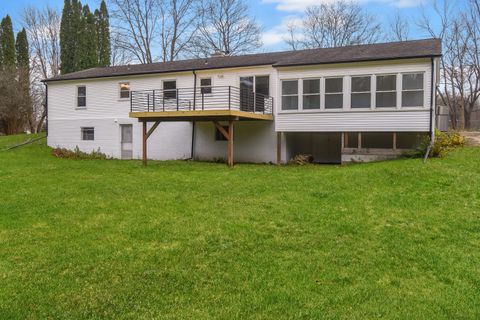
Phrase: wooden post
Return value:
(279, 147)
(394, 141)
(230, 144)
(359, 140)
(144, 143)
(343, 140)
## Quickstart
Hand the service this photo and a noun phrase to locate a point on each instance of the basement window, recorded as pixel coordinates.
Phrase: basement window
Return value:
(81, 97)
(334, 93)
(88, 133)
(412, 90)
(218, 135)
(361, 95)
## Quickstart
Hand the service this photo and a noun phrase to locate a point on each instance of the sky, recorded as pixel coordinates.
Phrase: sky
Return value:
(272, 15)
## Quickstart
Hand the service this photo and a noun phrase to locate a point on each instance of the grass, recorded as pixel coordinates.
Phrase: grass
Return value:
(108, 239)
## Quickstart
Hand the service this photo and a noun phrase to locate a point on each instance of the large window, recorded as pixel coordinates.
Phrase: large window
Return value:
(81, 97)
(206, 85)
(311, 94)
(412, 90)
(170, 89)
(124, 90)
(386, 96)
(333, 93)
(290, 95)
(88, 133)
(361, 95)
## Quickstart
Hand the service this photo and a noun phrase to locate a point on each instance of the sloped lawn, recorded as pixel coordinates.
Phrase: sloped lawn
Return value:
(107, 239)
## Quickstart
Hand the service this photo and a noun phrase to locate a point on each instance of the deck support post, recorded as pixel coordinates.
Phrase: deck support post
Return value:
(279, 148)
(144, 142)
(394, 141)
(359, 140)
(230, 144)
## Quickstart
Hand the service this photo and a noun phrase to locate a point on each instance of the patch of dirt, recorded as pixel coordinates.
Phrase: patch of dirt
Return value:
(472, 138)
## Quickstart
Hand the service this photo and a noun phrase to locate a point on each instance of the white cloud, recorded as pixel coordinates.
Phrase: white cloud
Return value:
(301, 5)
(277, 34)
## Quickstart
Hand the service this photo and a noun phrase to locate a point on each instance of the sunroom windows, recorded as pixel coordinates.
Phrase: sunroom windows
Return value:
(356, 92)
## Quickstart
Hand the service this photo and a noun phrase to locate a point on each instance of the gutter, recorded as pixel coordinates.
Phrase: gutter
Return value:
(433, 86)
(46, 108)
(192, 150)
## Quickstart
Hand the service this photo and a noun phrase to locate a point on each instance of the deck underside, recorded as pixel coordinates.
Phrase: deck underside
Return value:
(203, 115)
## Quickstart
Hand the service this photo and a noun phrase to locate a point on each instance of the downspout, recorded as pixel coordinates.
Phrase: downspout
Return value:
(433, 86)
(46, 108)
(192, 151)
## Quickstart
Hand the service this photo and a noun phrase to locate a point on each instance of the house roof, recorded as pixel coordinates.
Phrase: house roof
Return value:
(369, 52)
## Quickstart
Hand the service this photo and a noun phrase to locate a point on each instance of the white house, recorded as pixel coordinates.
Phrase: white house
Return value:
(355, 103)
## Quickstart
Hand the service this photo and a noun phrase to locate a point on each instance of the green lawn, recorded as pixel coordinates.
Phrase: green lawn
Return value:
(110, 239)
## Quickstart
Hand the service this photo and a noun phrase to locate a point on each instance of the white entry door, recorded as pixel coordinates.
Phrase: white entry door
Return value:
(126, 141)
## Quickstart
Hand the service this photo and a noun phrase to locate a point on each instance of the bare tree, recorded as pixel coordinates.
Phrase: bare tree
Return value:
(43, 30)
(136, 22)
(399, 28)
(459, 88)
(177, 27)
(334, 24)
(225, 26)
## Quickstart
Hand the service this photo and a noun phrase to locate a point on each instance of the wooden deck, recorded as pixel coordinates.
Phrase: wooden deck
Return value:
(200, 115)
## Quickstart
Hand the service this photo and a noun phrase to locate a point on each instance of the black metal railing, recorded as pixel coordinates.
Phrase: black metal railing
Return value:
(201, 98)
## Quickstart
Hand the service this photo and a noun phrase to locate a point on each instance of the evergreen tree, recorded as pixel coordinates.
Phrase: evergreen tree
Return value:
(67, 45)
(21, 46)
(7, 42)
(25, 108)
(86, 56)
(103, 35)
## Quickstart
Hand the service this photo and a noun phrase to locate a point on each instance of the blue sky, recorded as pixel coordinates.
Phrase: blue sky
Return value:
(271, 14)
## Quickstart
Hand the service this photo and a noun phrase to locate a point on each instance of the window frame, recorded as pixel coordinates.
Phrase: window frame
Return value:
(77, 106)
(319, 94)
(83, 133)
(340, 93)
(423, 73)
(395, 75)
(297, 80)
(206, 90)
(369, 76)
(169, 91)
(120, 91)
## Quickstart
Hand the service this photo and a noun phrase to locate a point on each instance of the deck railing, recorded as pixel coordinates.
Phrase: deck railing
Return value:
(201, 98)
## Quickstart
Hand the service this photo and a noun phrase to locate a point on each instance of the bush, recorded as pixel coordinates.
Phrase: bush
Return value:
(444, 143)
(79, 155)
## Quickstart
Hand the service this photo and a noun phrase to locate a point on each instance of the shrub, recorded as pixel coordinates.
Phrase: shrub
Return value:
(79, 155)
(444, 143)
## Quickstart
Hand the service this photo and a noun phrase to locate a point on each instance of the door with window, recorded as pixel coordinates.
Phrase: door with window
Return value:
(253, 93)
(126, 141)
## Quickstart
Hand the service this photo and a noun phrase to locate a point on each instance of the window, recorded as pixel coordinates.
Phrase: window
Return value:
(412, 90)
(361, 95)
(124, 90)
(81, 97)
(88, 133)
(333, 93)
(386, 96)
(218, 135)
(311, 94)
(290, 95)
(206, 85)
(170, 89)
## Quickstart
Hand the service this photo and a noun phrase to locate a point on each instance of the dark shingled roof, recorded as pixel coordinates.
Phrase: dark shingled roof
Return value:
(357, 53)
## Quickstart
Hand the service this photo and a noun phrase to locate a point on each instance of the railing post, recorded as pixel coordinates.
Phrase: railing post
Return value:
(229, 97)
(176, 96)
(254, 101)
(153, 100)
(203, 99)
(163, 100)
(131, 101)
(148, 102)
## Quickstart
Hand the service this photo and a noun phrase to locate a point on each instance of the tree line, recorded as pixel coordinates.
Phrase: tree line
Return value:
(52, 42)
